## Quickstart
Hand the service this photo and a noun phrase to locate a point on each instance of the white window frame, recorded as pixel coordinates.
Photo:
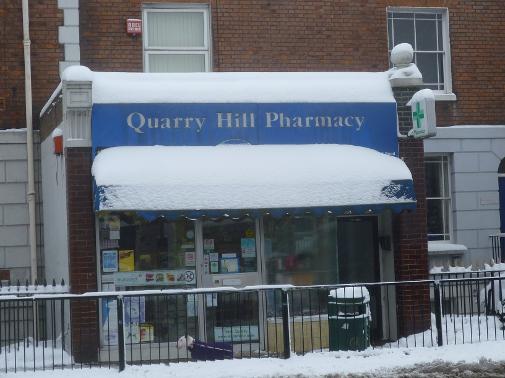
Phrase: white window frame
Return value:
(445, 161)
(440, 95)
(177, 50)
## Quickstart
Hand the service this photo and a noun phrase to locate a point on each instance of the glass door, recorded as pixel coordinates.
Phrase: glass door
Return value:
(231, 258)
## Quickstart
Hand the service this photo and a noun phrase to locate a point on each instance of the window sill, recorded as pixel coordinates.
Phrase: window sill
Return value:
(445, 97)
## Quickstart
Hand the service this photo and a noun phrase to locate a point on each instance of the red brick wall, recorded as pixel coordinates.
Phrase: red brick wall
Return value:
(410, 242)
(46, 53)
(326, 35)
(82, 252)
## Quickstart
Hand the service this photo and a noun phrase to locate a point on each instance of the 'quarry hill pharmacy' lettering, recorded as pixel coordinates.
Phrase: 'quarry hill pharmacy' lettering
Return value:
(139, 122)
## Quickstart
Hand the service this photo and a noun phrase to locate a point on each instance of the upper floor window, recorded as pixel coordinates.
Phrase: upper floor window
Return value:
(176, 39)
(438, 197)
(427, 30)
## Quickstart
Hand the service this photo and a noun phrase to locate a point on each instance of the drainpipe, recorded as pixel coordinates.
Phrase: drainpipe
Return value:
(29, 144)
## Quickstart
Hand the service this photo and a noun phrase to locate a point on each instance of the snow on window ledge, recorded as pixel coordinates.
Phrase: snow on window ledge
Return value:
(443, 96)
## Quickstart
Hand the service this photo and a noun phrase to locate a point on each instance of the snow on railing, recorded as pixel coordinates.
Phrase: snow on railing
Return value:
(20, 289)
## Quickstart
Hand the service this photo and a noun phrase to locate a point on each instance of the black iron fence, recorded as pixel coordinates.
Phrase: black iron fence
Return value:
(498, 247)
(58, 331)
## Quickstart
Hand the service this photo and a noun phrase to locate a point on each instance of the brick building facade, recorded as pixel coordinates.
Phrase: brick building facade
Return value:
(260, 36)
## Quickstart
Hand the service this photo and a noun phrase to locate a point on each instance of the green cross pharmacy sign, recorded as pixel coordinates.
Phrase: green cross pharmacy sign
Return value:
(423, 114)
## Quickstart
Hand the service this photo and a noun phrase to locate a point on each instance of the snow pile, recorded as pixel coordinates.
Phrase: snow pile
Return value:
(351, 292)
(456, 329)
(409, 72)
(423, 94)
(245, 177)
(402, 56)
(26, 355)
(494, 266)
(373, 363)
(445, 247)
(451, 269)
(403, 53)
(235, 87)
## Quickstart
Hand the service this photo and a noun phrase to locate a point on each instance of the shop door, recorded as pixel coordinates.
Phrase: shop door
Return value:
(231, 258)
(358, 260)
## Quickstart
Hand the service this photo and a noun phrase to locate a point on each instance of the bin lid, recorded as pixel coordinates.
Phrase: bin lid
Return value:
(356, 294)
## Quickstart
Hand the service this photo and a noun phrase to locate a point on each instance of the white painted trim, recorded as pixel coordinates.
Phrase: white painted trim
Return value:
(168, 50)
(165, 52)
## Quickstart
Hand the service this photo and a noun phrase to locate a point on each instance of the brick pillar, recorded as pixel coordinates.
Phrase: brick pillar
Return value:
(82, 253)
(410, 233)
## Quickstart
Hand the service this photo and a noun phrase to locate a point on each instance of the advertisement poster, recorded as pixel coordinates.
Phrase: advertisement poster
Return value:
(126, 260)
(189, 258)
(214, 256)
(114, 224)
(109, 322)
(208, 244)
(236, 333)
(139, 333)
(248, 247)
(109, 261)
(134, 310)
(229, 265)
(155, 278)
(214, 267)
(191, 305)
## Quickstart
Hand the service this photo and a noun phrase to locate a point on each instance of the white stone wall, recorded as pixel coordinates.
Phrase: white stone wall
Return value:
(475, 153)
(54, 183)
(14, 239)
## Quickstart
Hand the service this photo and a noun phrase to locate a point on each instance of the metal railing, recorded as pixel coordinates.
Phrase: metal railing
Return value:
(58, 331)
(498, 247)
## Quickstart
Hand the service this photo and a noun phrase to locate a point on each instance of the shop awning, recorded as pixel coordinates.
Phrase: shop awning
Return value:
(231, 179)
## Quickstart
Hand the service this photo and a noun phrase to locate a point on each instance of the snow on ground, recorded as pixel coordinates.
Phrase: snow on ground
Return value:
(457, 329)
(374, 363)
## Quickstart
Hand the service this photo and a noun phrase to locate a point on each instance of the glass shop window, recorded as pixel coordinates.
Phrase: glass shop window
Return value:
(301, 250)
(140, 244)
(162, 252)
(230, 245)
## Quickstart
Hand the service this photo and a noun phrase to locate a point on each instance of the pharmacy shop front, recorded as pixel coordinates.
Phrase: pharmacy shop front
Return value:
(238, 179)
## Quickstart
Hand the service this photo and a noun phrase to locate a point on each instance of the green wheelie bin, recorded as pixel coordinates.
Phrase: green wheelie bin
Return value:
(349, 318)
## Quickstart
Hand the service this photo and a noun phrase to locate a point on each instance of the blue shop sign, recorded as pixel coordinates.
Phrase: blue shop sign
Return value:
(371, 125)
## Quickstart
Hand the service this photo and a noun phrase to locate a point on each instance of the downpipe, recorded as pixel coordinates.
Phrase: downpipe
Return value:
(29, 143)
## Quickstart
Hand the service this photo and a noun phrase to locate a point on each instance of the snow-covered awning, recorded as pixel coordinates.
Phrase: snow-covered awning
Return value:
(202, 180)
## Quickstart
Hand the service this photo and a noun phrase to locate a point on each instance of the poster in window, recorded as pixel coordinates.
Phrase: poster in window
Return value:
(208, 244)
(229, 265)
(126, 260)
(109, 261)
(114, 225)
(248, 247)
(134, 309)
(189, 258)
(214, 267)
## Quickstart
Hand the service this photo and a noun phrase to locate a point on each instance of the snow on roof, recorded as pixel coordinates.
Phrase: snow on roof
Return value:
(244, 177)
(234, 87)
